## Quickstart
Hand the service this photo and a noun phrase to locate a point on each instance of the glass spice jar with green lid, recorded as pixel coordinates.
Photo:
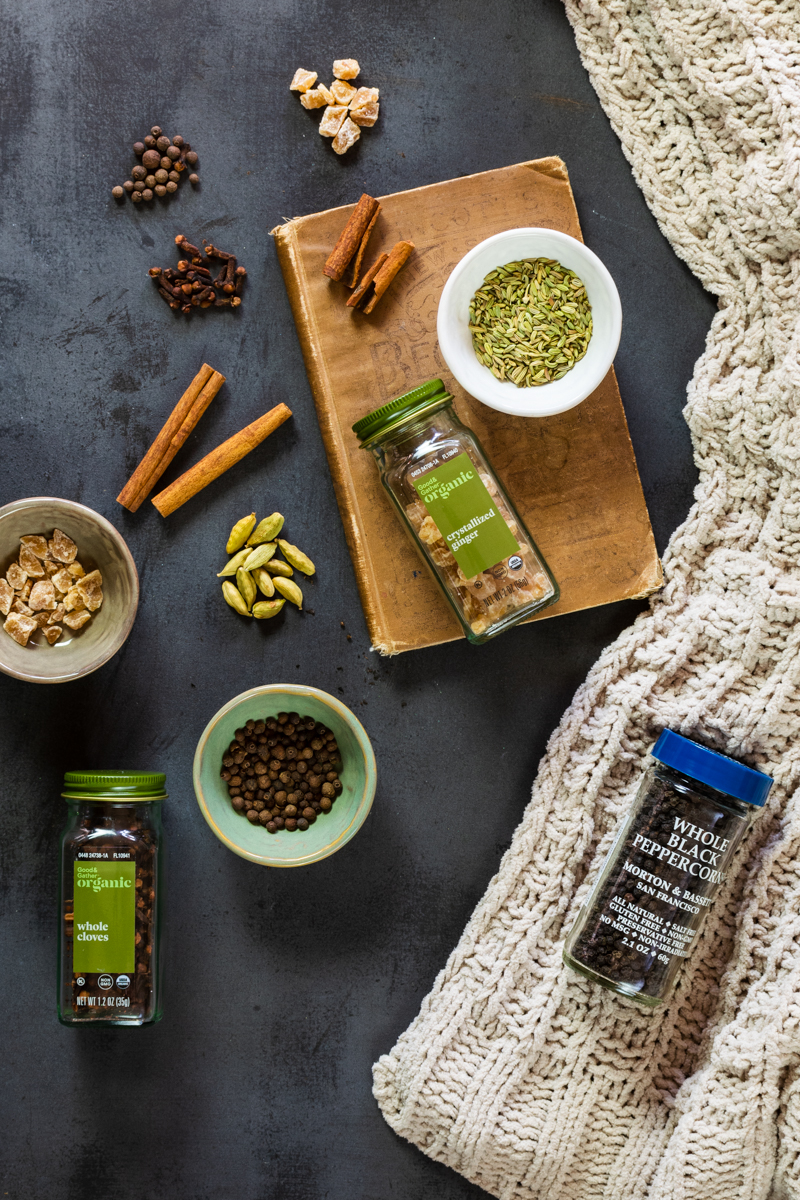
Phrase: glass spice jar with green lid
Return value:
(109, 962)
(457, 512)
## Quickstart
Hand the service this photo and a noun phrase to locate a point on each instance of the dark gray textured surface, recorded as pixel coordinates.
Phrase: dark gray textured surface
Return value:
(281, 988)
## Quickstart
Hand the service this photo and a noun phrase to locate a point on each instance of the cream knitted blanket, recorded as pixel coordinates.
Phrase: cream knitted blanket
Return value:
(518, 1073)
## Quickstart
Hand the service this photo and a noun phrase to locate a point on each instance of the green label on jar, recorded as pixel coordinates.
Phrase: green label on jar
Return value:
(104, 917)
(466, 515)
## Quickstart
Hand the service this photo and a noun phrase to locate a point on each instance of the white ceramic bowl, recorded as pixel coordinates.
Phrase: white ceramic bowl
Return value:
(455, 339)
(99, 546)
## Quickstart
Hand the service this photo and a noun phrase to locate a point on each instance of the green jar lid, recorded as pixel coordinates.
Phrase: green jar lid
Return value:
(427, 397)
(114, 785)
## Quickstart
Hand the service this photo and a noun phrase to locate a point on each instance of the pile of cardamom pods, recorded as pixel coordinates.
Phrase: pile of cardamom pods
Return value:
(256, 569)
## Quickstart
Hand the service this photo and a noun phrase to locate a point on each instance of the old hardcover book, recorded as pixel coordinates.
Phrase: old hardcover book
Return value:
(573, 477)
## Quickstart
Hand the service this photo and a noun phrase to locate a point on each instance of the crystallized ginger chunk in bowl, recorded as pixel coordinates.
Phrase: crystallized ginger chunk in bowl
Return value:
(71, 544)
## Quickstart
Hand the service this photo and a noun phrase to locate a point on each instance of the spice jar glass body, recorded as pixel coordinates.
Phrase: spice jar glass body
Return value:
(458, 514)
(643, 916)
(109, 969)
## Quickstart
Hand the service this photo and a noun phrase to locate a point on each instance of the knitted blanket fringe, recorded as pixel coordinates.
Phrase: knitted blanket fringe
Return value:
(518, 1073)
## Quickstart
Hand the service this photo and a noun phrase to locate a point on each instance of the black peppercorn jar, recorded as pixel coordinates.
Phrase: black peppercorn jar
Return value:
(643, 915)
(110, 914)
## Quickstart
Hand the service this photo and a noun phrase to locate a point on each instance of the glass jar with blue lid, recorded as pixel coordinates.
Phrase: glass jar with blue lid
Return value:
(671, 857)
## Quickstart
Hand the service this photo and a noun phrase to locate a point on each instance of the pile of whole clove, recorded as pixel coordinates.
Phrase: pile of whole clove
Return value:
(191, 284)
(163, 161)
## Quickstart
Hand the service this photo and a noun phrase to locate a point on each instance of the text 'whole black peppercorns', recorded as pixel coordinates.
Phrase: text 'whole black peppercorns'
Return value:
(673, 854)
(283, 772)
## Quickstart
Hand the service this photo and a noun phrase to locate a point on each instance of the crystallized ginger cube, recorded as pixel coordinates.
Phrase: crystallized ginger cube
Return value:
(6, 597)
(76, 620)
(347, 136)
(73, 600)
(62, 548)
(342, 92)
(332, 120)
(53, 633)
(19, 606)
(345, 68)
(303, 80)
(36, 544)
(20, 627)
(315, 98)
(76, 570)
(30, 563)
(57, 615)
(90, 589)
(326, 93)
(62, 580)
(366, 115)
(42, 596)
(364, 107)
(16, 576)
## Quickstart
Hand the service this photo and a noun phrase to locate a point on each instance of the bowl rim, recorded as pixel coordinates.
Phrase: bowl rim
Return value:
(83, 510)
(370, 772)
(445, 310)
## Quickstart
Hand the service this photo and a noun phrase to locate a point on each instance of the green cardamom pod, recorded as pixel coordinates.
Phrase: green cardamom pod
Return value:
(300, 561)
(259, 556)
(240, 533)
(234, 598)
(266, 530)
(267, 608)
(232, 567)
(289, 589)
(247, 587)
(264, 582)
(276, 567)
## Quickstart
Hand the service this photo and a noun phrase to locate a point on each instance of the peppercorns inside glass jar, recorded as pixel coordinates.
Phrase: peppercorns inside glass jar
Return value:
(457, 512)
(672, 855)
(110, 877)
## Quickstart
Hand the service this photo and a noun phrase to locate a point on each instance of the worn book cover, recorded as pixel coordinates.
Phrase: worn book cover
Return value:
(573, 477)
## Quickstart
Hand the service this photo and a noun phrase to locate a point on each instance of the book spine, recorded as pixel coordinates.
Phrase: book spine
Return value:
(293, 276)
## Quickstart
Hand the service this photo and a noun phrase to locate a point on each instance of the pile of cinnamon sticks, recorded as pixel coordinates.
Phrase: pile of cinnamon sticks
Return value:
(349, 253)
(191, 285)
(180, 423)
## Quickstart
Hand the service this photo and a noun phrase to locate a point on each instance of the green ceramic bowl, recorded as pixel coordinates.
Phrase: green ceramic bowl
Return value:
(331, 830)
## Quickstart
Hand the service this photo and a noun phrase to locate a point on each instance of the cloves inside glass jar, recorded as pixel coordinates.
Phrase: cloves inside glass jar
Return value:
(457, 512)
(672, 856)
(109, 969)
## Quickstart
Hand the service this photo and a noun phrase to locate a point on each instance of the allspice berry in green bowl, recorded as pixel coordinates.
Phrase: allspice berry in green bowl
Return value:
(355, 774)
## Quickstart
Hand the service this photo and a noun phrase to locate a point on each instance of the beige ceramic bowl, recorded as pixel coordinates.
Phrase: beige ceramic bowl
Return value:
(99, 546)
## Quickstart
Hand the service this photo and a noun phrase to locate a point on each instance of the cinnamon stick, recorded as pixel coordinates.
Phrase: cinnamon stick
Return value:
(355, 268)
(350, 238)
(398, 257)
(218, 461)
(180, 423)
(362, 289)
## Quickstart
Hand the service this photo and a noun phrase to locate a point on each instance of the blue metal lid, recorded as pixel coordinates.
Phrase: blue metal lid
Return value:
(708, 766)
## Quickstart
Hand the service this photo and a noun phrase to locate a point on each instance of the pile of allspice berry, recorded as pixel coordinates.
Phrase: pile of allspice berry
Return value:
(255, 568)
(163, 161)
(283, 772)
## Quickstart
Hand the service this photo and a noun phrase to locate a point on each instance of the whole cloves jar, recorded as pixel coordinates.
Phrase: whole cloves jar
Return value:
(671, 857)
(457, 511)
(109, 967)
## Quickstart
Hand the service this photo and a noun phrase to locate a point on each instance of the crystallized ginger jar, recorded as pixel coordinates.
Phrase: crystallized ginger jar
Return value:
(457, 512)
